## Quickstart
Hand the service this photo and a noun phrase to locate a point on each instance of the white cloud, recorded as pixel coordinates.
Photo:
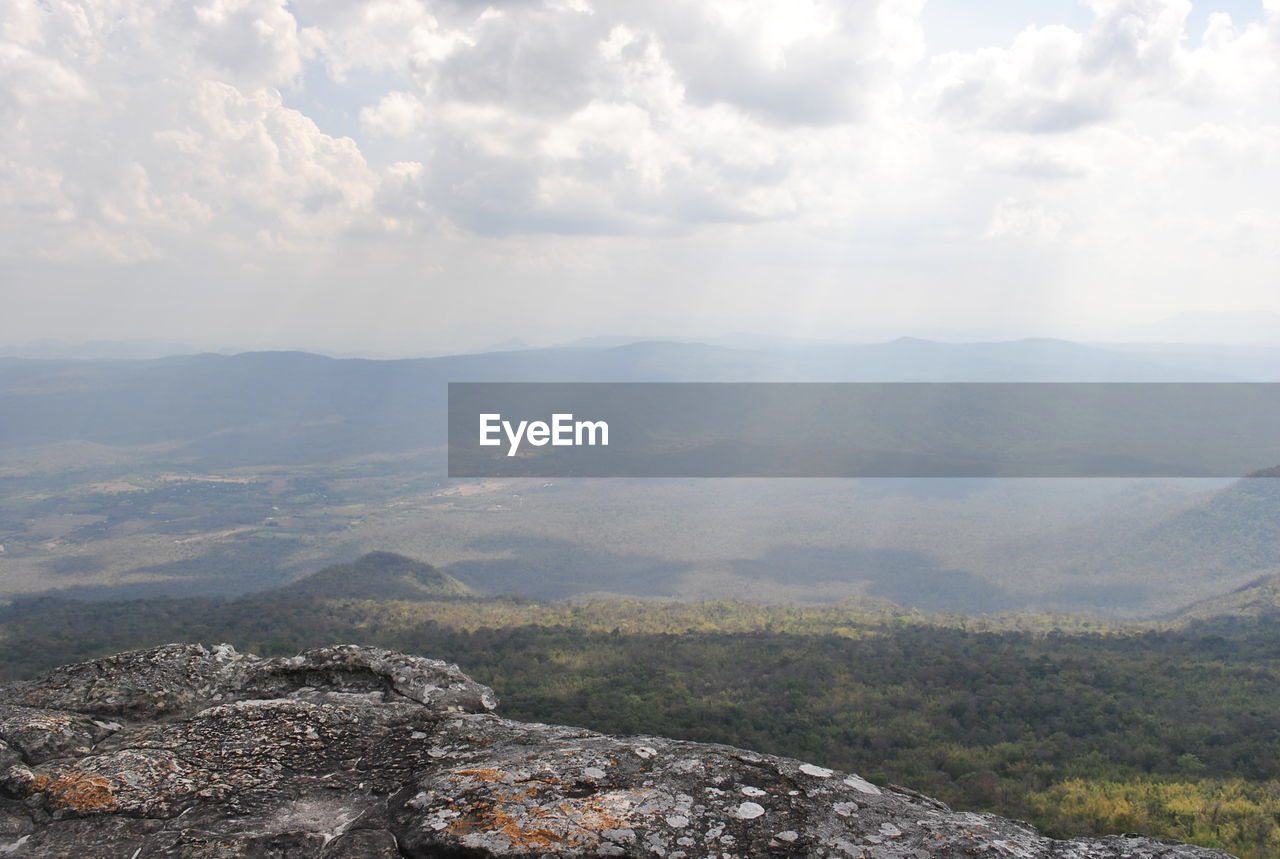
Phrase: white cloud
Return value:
(396, 115)
(637, 142)
(29, 78)
(404, 35)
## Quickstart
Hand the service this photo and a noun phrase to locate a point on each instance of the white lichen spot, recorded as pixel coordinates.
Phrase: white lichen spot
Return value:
(418, 735)
(594, 772)
(816, 771)
(749, 811)
(15, 846)
(844, 809)
(677, 821)
(752, 791)
(655, 845)
(860, 783)
(626, 836)
(645, 752)
(787, 836)
(890, 831)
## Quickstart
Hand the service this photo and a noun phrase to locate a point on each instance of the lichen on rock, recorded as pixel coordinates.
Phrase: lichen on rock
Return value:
(353, 752)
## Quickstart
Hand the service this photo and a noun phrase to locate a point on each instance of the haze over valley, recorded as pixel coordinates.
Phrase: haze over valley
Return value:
(209, 474)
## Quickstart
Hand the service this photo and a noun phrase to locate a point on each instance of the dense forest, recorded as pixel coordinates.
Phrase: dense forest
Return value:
(1080, 730)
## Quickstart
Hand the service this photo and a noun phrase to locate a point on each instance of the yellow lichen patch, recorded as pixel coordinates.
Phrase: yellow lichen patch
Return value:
(489, 774)
(527, 834)
(525, 830)
(521, 826)
(88, 794)
(561, 824)
(602, 811)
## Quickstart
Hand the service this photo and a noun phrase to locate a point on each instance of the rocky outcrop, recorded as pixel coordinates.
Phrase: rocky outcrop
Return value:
(360, 752)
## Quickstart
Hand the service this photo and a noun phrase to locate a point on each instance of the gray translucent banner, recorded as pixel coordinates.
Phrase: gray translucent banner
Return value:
(863, 429)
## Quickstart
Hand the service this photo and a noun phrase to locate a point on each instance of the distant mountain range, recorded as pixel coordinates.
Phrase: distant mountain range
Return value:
(290, 407)
(1218, 330)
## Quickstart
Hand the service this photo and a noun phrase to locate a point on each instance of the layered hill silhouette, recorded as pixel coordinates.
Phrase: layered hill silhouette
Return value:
(289, 407)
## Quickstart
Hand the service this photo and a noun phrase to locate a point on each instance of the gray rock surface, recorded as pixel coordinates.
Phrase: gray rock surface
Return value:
(360, 752)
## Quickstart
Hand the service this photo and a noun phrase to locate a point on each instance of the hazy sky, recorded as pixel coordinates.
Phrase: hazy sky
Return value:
(414, 176)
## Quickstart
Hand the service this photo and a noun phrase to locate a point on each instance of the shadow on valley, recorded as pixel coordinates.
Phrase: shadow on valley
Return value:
(75, 565)
(239, 567)
(1100, 598)
(913, 581)
(907, 578)
(549, 568)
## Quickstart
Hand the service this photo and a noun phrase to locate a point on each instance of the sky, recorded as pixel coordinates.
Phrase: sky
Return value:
(405, 177)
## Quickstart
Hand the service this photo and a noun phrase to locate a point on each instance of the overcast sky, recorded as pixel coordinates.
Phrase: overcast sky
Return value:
(404, 176)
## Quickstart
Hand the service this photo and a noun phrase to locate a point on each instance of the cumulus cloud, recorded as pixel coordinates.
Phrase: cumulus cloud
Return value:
(626, 117)
(1054, 79)
(819, 139)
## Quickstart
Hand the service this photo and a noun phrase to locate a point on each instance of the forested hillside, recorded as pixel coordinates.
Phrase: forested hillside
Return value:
(1079, 726)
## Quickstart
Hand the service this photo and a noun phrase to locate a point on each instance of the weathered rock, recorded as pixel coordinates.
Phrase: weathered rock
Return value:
(180, 679)
(359, 752)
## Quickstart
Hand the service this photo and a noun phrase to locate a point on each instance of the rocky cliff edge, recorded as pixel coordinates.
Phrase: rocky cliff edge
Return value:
(360, 752)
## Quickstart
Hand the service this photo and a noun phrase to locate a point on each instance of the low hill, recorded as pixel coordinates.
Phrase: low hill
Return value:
(1237, 530)
(1198, 558)
(1256, 601)
(380, 576)
(1240, 524)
